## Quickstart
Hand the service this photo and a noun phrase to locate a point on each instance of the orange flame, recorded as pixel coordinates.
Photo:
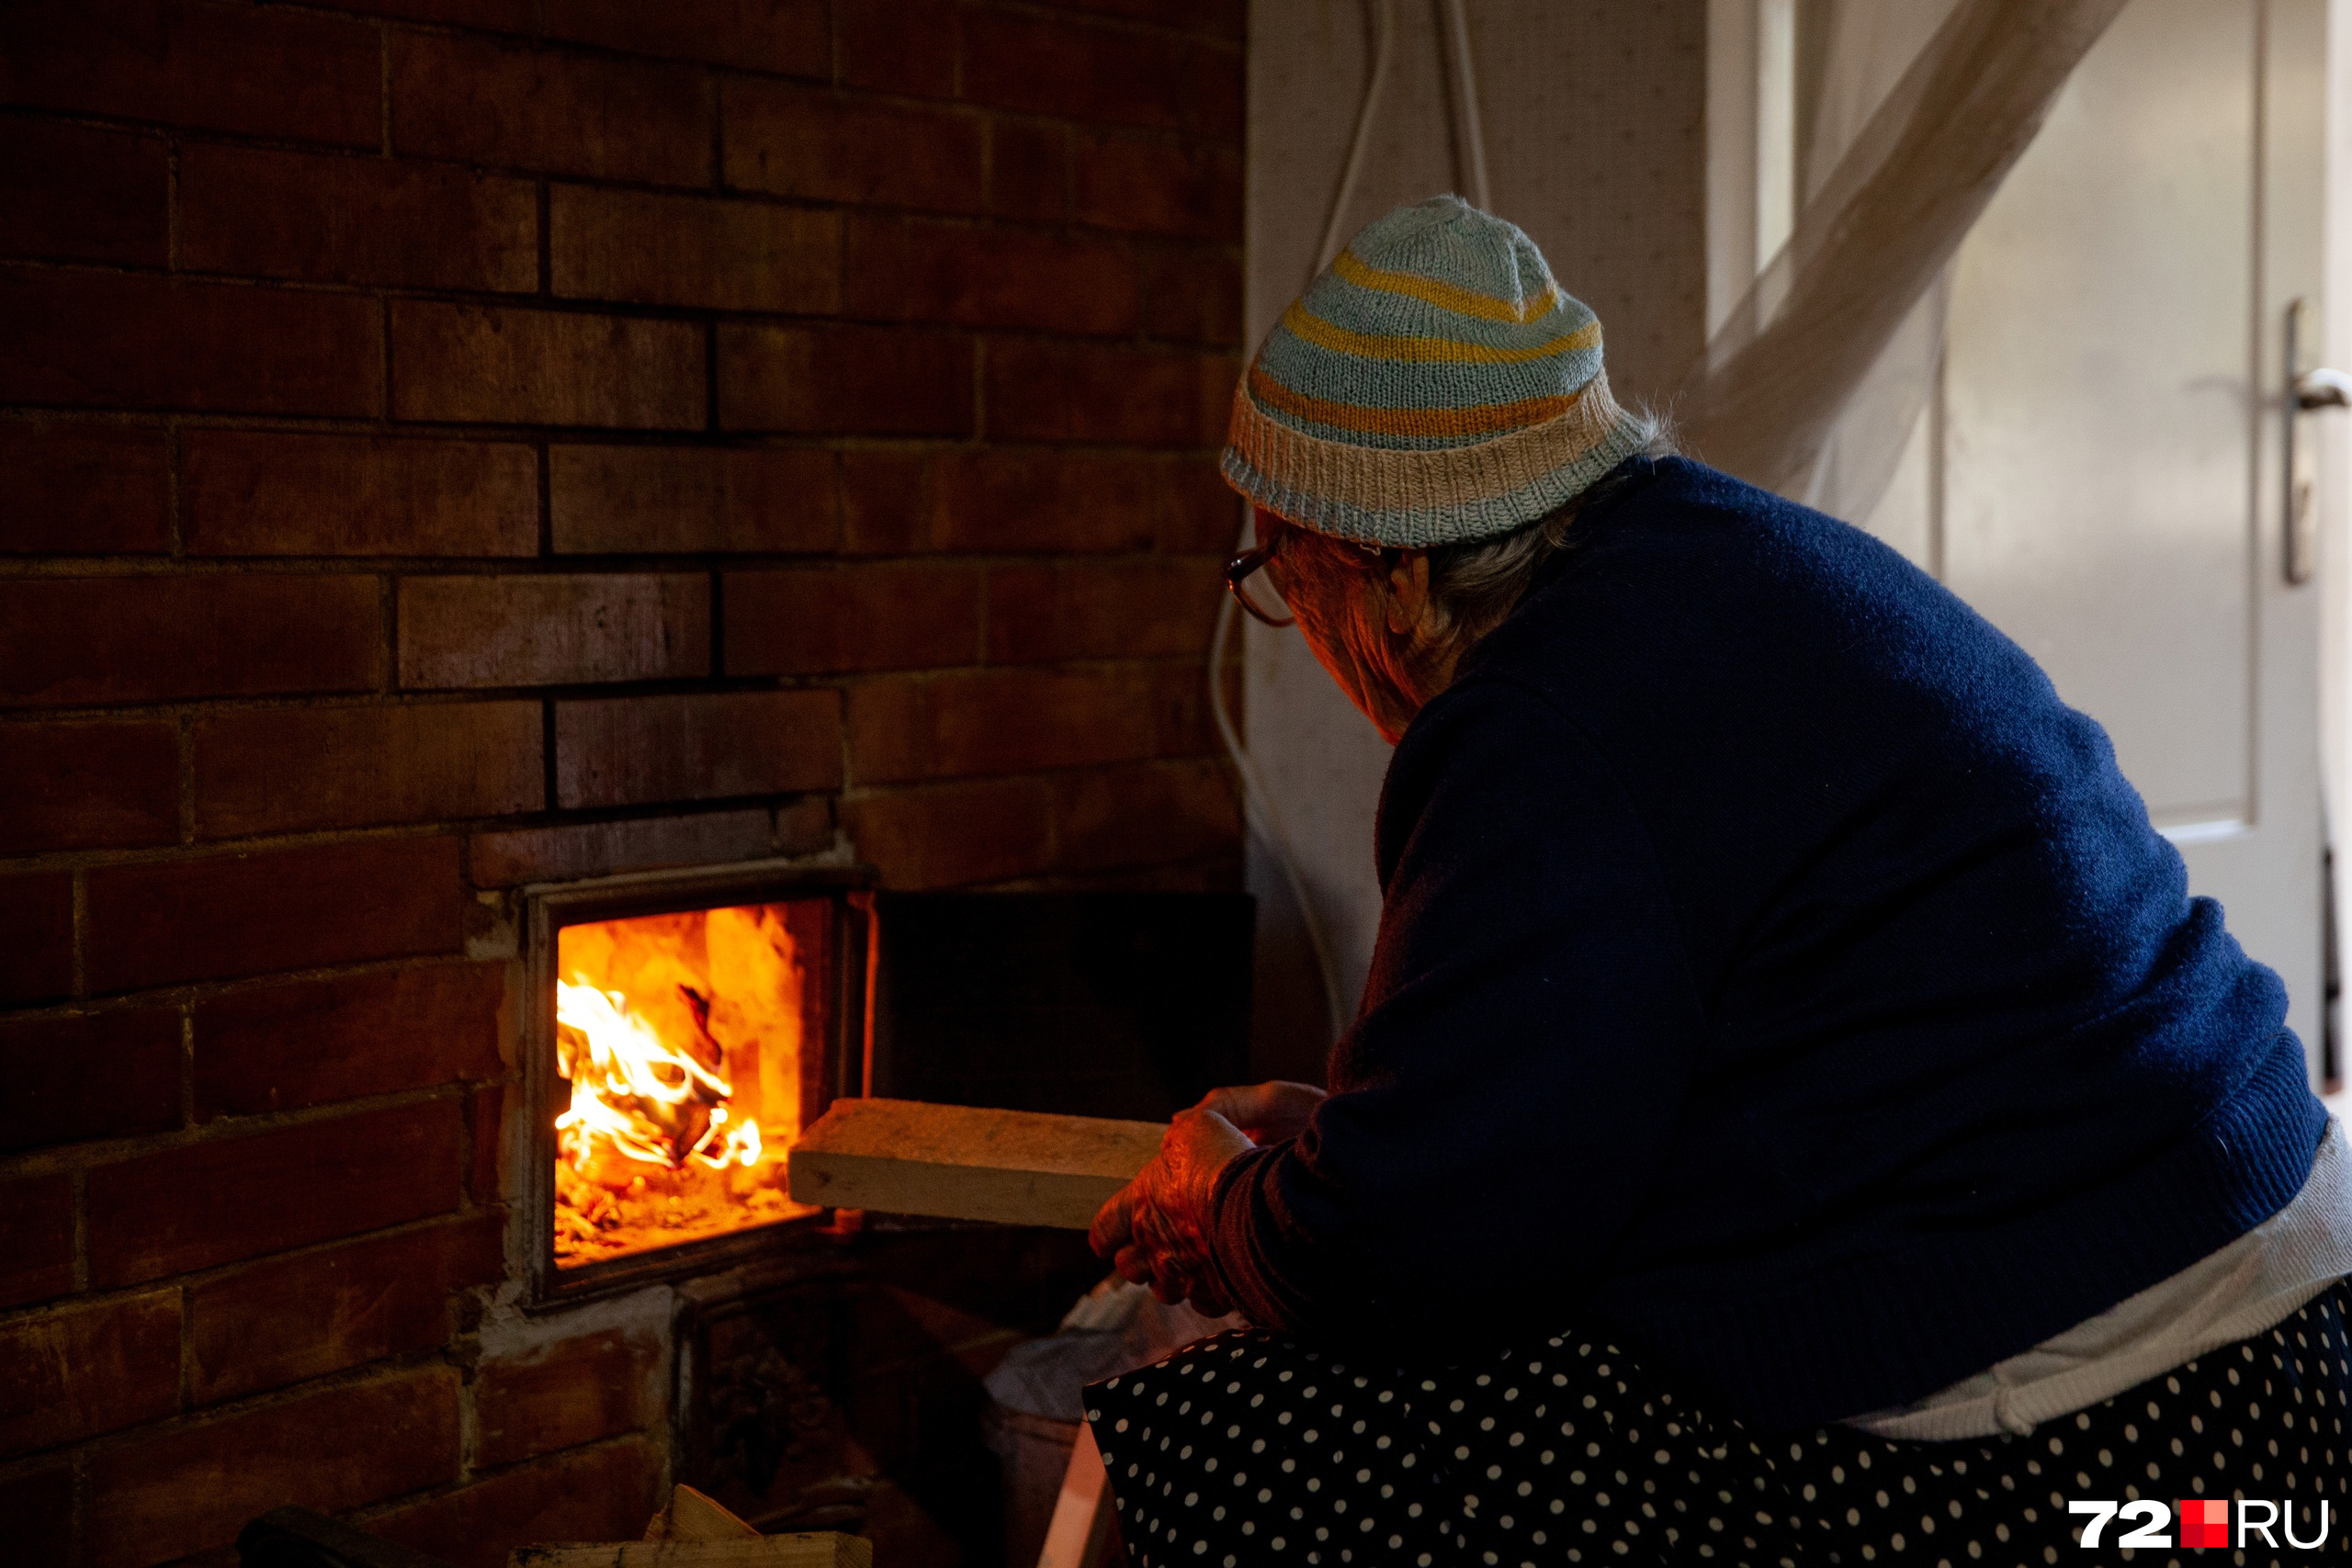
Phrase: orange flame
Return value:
(625, 1080)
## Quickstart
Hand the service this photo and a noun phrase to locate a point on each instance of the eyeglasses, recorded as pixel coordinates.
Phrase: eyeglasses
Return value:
(1237, 573)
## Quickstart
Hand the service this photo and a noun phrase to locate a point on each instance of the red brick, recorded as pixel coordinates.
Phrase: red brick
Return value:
(82, 786)
(215, 67)
(886, 503)
(635, 751)
(268, 493)
(955, 835)
(39, 1506)
(844, 380)
(549, 111)
(36, 1238)
(225, 1200)
(486, 1141)
(125, 341)
(565, 1395)
(1029, 171)
(222, 917)
(194, 1486)
(85, 1370)
(677, 500)
(896, 46)
(595, 849)
(824, 147)
(1219, 18)
(901, 270)
(600, 1493)
(1123, 183)
(69, 193)
(1074, 71)
(1123, 609)
(489, 15)
(363, 220)
(465, 362)
(286, 1319)
(553, 631)
(80, 490)
(1144, 814)
(1044, 390)
(315, 1042)
(824, 619)
(36, 936)
(694, 250)
(784, 36)
(659, 748)
(88, 640)
(284, 769)
(106, 1075)
(1194, 295)
(1005, 721)
(1074, 501)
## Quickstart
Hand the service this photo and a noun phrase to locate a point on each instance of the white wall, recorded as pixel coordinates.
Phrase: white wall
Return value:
(1594, 118)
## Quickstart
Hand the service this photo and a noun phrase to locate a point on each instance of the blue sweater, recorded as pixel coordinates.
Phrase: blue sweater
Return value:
(1775, 976)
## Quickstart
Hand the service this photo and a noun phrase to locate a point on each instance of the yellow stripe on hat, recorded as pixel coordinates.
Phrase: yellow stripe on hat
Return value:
(1482, 419)
(1429, 350)
(1446, 296)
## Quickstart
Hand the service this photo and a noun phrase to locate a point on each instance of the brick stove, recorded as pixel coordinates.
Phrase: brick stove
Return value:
(458, 445)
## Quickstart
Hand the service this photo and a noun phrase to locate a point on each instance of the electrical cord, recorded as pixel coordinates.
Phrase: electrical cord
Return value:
(1470, 168)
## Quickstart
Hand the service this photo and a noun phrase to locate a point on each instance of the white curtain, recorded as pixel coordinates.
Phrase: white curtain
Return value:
(1817, 379)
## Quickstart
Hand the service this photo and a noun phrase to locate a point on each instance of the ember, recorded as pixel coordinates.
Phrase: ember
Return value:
(680, 1035)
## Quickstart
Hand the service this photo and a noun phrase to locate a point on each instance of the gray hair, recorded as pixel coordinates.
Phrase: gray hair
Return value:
(1473, 586)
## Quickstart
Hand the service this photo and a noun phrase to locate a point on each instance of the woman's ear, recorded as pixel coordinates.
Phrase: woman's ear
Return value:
(1409, 592)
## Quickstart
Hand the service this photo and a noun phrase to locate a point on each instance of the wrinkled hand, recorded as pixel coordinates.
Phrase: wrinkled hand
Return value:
(1269, 1112)
(1155, 1229)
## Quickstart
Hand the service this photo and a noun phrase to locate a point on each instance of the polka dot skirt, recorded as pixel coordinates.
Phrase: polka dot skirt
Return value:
(1250, 1448)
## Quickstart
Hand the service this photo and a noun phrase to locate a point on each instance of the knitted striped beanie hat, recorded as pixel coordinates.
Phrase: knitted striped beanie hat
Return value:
(1433, 386)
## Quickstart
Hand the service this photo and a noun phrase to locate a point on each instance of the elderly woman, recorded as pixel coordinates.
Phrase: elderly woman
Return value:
(1797, 1113)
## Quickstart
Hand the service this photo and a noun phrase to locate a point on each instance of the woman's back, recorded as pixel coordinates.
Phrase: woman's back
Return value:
(1775, 970)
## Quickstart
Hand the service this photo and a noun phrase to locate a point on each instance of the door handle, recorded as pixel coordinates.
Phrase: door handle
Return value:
(2323, 389)
(2308, 389)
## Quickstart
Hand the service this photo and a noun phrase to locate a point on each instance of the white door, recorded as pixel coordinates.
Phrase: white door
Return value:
(2103, 476)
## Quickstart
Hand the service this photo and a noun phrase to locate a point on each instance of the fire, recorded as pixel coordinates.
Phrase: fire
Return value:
(629, 1079)
(680, 1035)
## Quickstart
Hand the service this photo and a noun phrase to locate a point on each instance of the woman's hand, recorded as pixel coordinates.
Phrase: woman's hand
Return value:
(1155, 1229)
(1269, 1112)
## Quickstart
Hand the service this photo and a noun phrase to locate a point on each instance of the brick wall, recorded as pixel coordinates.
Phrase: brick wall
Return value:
(446, 444)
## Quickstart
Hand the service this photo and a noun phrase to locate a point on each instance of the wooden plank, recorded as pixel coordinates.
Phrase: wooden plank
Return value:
(958, 1162)
(824, 1548)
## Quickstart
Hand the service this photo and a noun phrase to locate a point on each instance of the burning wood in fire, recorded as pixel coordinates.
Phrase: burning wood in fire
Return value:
(680, 1035)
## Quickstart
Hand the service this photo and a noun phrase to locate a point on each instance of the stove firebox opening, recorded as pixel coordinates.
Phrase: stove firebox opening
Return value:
(679, 1041)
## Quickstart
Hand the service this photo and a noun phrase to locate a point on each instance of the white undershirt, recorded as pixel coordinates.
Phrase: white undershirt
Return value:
(2253, 1284)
